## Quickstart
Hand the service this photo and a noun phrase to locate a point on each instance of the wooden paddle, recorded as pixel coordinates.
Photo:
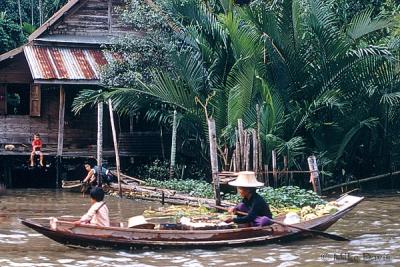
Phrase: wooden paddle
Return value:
(315, 232)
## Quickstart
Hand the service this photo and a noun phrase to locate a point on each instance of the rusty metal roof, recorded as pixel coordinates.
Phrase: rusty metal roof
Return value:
(55, 63)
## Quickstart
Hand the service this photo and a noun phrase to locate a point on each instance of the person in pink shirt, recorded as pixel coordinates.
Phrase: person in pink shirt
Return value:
(98, 212)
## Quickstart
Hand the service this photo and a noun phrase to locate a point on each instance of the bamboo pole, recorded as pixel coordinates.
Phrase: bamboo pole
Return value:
(214, 159)
(99, 141)
(173, 147)
(372, 178)
(114, 133)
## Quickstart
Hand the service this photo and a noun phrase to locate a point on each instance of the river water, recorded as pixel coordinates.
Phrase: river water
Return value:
(373, 226)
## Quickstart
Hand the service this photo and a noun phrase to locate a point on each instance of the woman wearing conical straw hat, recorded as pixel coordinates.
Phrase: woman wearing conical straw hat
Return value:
(257, 209)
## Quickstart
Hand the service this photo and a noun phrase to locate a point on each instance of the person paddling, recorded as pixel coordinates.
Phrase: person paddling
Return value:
(98, 212)
(257, 209)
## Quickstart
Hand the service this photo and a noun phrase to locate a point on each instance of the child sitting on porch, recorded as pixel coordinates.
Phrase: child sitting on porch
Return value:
(36, 147)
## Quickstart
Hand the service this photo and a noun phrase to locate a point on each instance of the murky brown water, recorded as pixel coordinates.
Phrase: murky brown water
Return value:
(374, 227)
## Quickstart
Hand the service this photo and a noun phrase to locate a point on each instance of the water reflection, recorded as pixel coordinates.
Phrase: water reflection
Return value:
(373, 227)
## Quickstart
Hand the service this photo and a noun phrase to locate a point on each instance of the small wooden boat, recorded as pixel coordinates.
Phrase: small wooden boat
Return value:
(66, 232)
(72, 186)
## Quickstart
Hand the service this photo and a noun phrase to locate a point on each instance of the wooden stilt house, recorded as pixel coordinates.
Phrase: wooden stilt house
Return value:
(39, 80)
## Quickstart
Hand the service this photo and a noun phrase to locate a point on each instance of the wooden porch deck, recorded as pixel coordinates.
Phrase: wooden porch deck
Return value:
(67, 153)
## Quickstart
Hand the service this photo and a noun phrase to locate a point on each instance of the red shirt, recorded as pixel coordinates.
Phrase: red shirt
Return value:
(36, 144)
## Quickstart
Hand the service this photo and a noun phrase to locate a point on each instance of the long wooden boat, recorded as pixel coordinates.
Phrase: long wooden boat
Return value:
(70, 234)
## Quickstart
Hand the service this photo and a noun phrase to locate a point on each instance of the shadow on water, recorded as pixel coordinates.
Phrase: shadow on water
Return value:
(373, 227)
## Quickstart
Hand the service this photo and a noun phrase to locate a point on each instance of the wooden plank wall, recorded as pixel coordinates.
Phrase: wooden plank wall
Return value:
(15, 70)
(80, 131)
(92, 18)
(144, 143)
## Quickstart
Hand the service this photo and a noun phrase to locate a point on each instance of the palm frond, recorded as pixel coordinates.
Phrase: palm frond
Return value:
(369, 123)
(392, 99)
(362, 24)
(87, 97)
(241, 81)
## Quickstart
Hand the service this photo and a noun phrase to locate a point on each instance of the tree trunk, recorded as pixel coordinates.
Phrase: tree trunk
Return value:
(40, 12)
(20, 13)
(173, 147)
(32, 5)
(214, 159)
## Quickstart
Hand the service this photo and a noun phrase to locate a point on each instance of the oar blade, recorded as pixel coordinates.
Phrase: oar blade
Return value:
(331, 236)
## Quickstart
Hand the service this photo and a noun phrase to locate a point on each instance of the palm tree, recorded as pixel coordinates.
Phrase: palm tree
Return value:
(312, 77)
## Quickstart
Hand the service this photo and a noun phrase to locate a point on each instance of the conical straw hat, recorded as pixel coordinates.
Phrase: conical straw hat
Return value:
(246, 179)
(137, 220)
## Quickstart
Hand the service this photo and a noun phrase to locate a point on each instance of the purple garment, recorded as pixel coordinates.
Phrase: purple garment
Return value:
(259, 220)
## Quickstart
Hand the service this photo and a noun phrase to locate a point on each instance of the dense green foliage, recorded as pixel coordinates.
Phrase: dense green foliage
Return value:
(290, 196)
(325, 84)
(283, 197)
(192, 187)
(159, 170)
(10, 34)
(15, 26)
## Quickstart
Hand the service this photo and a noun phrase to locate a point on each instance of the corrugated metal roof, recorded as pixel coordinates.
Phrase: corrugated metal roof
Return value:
(54, 63)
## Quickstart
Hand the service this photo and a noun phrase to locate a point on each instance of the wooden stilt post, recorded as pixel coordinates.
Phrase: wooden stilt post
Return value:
(259, 147)
(241, 143)
(247, 150)
(60, 139)
(314, 175)
(99, 141)
(162, 143)
(255, 151)
(285, 168)
(237, 151)
(131, 124)
(214, 160)
(173, 147)
(114, 133)
(274, 169)
(234, 161)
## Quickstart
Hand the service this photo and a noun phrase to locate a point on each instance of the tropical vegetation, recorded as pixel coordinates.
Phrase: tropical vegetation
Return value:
(19, 18)
(325, 84)
(324, 74)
